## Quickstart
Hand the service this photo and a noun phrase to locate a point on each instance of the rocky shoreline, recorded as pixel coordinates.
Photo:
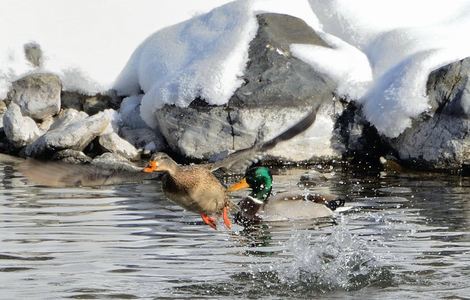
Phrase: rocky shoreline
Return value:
(43, 121)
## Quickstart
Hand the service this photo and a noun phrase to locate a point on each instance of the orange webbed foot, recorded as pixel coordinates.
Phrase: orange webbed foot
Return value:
(208, 220)
(227, 221)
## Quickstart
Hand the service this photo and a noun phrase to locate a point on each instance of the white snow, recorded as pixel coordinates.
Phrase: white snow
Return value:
(345, 64)
(403, 41)
(86, 42)
(203, 57)
(381, 55)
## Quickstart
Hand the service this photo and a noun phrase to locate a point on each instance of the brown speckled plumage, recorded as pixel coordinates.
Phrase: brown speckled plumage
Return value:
(195, 189)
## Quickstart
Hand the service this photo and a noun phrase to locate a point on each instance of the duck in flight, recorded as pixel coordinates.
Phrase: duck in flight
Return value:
(195, 187)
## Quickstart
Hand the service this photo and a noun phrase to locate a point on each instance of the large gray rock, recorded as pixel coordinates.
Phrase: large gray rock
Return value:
(19, 130)
(38, 95)
(112, 142)
(74, 135)
(441, 138)
(279, 89)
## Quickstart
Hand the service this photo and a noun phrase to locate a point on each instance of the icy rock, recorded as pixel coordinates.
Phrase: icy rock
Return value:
(279, 89)
(19, 130)
(71, 134)
(115, 144)
(38, 95)
(440, 139)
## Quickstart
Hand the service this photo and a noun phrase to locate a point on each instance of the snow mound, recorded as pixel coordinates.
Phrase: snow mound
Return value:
(202, 57)
(403, 41)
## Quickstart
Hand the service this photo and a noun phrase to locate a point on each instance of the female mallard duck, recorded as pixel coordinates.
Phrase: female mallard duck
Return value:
(288, 205)
(193, 187)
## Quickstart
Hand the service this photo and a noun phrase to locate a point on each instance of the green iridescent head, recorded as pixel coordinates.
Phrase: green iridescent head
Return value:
(260, 181)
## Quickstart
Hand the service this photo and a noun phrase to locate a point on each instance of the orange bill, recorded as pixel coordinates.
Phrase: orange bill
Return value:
(242, 184)
(151, 166)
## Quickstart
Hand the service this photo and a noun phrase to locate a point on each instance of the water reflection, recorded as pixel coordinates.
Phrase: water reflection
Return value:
(405, 234)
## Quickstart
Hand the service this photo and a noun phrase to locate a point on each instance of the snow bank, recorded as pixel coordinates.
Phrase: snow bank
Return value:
(403, 41)
(86, 42)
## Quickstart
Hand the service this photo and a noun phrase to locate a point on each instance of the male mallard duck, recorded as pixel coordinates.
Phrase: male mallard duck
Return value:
(286, 205)
(195, 187)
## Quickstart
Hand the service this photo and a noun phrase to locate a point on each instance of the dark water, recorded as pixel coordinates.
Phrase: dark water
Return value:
(407, 236)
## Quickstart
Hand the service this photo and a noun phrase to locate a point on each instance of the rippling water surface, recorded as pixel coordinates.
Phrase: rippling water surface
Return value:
(406, 236)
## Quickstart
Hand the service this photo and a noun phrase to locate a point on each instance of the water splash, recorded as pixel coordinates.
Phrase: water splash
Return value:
(341, 260)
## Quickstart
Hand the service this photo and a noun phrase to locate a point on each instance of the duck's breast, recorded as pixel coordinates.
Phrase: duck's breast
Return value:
(285, 208)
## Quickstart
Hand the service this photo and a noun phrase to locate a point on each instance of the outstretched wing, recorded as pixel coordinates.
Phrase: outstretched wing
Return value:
(57, 174)
(242, 159)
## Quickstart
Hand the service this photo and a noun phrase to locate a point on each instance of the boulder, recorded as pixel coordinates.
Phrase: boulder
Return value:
(19, 130)
(112, 142)
(69, 134)
(279, 89)
(38, 95)
(440, 139)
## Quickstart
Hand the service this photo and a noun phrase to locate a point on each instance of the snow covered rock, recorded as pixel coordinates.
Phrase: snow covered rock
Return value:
(441, 138)
(278, 90)
(69, 134)
(115, 144)
(38, 95)
(19, 130)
